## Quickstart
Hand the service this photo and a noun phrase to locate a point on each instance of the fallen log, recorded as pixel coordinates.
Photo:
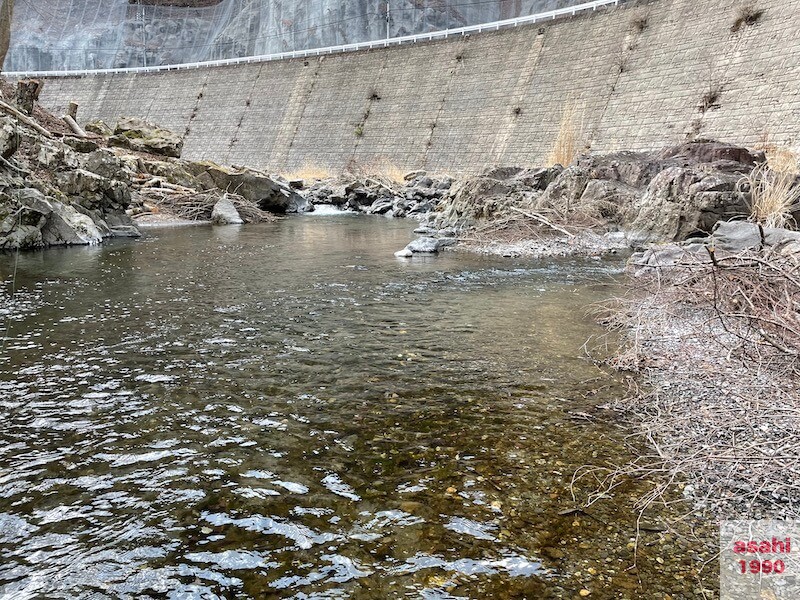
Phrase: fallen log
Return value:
(77, 129)
(8, 109)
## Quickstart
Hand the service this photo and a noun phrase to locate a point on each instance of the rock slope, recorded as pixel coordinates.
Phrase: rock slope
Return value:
(62, 188)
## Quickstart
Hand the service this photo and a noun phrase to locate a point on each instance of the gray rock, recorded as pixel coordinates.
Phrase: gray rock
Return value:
(83, 145)
(712, 152)
(683, 201)
(380, 206)
(67, 227)
(137, 134)
(225, 213)
(99, 127)
(635, 169)
(736, 236)
(107, 164)
(538, 179)
(54, 155)
(425, 245)
(21, 237)
(80, 181)
(566, 190)
(59, 224)
(9, 137)
(663, 256)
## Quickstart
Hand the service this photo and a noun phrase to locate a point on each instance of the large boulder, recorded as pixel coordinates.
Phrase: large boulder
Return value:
(721, 155)
(40, 221)
(681, 202)
(94, 191)
(66, 226)
(736, 236)
(255, 186)
(106, 164)
(137, 134)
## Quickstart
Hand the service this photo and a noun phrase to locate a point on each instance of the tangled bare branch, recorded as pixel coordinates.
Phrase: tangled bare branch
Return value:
(718, 341)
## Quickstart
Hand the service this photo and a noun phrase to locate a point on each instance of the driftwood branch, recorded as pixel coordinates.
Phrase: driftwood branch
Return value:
(77, 129)
(542, 220)
(7, 108)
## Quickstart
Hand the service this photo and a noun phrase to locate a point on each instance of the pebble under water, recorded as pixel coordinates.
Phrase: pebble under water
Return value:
(286, 410)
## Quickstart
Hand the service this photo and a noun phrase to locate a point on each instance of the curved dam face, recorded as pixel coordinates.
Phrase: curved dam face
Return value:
(637, 77)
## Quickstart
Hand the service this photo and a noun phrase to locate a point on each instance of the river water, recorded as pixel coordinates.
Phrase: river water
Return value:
(286, 410)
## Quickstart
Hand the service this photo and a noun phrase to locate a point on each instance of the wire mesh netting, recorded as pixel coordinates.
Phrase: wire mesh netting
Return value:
(53, 35)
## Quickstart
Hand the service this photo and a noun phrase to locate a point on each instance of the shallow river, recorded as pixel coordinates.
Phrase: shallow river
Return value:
(288, 411)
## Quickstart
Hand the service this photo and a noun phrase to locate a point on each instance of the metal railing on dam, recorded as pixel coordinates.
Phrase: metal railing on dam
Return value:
(409, 39)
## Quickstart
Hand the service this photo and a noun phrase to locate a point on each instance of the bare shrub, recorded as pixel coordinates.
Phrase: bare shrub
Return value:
(747, 14)
(710, 98)
(198, 206)
(718, 340)
(640, 22)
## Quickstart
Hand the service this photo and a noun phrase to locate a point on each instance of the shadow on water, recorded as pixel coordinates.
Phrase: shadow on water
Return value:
(287, 410)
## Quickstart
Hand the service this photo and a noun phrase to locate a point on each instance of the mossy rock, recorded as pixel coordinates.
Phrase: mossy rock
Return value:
(99, 127)
(139, 135)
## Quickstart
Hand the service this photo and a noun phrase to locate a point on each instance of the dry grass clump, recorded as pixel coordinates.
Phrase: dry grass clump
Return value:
(377, 167)
(782, 159)
(569, 136)
(718, 339)
(308, 172)
(774, 192)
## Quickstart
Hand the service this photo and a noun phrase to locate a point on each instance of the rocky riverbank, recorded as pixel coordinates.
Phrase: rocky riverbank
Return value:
(61, 185)
(598, 204)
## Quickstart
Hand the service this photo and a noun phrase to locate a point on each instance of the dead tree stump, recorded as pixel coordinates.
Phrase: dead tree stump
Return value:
(27, 94)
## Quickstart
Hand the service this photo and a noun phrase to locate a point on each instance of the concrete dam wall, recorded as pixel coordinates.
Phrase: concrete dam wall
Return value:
(637, 77)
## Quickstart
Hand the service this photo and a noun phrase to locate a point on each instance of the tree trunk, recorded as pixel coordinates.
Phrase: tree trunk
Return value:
(6, 12)
(27, 94)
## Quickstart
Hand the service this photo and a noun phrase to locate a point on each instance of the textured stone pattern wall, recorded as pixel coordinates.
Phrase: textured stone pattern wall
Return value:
(494, 98)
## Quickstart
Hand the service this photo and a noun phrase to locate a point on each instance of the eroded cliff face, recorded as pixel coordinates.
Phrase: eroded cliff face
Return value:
(96, 34)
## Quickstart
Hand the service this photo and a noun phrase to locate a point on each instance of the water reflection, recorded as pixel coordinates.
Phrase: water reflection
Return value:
(285, 410)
